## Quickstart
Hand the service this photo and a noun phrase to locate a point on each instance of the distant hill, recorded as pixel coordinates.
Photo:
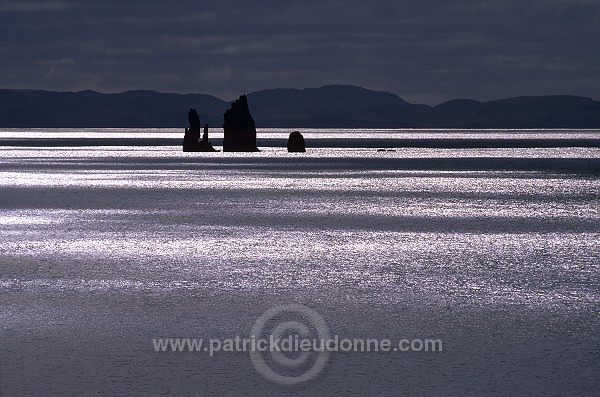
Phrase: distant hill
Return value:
(334, 106)
(29, 108)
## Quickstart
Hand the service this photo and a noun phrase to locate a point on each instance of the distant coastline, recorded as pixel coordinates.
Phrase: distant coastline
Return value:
(334, 106)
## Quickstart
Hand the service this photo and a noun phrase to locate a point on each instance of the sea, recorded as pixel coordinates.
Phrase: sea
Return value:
(130, 268)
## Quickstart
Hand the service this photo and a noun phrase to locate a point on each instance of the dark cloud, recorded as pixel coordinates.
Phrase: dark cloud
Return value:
(423, 50)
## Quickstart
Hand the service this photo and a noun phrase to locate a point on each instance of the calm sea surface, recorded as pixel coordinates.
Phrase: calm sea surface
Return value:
(493, 251)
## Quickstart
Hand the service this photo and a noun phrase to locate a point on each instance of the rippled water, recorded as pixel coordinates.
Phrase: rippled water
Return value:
(103, 248)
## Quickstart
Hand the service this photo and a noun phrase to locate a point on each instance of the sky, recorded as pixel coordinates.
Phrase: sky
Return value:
(425, 51)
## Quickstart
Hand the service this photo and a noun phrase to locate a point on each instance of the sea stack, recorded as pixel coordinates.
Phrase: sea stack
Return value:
(239, 128)
(296, 142)
(192, 135)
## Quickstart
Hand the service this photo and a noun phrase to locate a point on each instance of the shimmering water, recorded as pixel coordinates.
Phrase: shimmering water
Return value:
(495, 251)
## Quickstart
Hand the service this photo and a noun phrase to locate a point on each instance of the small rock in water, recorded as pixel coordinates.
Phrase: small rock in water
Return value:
(296, 142)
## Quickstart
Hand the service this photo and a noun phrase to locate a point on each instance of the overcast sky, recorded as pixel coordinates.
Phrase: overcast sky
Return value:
(426, 51)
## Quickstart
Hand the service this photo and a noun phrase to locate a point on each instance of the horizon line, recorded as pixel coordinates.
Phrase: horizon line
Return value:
(291, 89)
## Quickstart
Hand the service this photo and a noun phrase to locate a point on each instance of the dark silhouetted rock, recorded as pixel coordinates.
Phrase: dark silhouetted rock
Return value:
(239, 128)
(192, 135)
(194, 120)
(296, 142)
(205, 136)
